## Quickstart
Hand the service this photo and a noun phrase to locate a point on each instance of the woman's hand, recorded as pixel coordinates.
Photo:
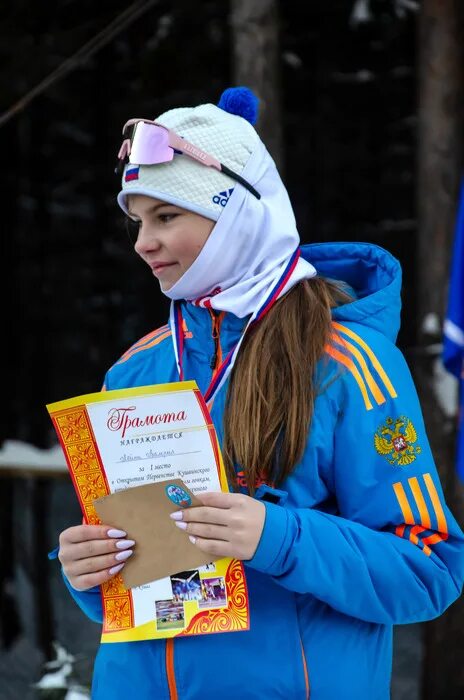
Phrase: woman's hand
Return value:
(227, 525)
(92, 554)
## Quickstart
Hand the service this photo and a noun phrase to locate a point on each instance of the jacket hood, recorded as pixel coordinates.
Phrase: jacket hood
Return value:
(373, 274)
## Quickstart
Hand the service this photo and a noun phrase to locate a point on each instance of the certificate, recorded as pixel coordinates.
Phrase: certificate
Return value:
(130, 437)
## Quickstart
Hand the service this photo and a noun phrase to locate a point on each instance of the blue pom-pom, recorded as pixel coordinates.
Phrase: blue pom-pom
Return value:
(240, 101)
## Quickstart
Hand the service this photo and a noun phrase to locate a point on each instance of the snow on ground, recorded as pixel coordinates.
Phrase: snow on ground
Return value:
(15, 454)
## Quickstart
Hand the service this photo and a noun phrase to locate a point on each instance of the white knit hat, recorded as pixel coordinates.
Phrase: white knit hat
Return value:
(228, 137)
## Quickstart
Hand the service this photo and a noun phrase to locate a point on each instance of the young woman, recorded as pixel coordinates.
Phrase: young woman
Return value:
(335, 507)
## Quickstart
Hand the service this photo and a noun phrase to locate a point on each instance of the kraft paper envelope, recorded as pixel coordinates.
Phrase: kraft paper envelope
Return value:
(161, 548)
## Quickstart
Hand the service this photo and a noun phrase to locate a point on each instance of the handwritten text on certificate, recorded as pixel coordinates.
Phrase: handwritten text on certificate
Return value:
(153, 440)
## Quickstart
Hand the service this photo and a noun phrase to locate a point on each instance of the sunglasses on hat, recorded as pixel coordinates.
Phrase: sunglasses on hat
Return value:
(150, 143)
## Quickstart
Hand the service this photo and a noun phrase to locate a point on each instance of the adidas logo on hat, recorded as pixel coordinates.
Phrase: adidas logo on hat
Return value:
(222, 197)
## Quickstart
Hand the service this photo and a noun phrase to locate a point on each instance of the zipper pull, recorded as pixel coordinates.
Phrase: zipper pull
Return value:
(215, 335)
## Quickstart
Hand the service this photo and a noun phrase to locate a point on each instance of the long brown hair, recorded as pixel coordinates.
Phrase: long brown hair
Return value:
(270, 400)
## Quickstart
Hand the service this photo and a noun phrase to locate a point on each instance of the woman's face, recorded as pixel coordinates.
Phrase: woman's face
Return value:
(169, 238)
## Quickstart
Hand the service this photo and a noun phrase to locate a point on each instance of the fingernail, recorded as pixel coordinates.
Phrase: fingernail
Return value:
(183, 526)
(122, 556)
(125, 544)
(115, 569)
(192, 539)
(116, 533)
(177, 515)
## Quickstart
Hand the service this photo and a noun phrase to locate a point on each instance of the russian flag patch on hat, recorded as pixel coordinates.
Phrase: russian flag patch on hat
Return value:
(132, 173)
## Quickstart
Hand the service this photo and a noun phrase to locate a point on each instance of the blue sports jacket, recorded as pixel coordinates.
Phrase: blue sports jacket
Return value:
(356, 540)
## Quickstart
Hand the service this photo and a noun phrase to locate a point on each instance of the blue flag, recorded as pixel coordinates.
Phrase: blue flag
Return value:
(453, 347)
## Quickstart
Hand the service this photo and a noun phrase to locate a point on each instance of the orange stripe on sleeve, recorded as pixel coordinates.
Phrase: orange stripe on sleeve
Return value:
(340, 357)
(433, 539)
(409, 518)
(439, 513)
(415, 540)
(414, 532)
(380, 370)
(141, 343)
(373, 386)
(149, 336)
(413, 536)
(420, 502)
(404, 504)
(154, 342)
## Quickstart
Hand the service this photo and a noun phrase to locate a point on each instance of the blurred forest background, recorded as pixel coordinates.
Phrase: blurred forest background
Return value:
(361, 107)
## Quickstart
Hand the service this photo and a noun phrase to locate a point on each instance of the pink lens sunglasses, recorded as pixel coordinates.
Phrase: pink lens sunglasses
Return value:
(151, 143)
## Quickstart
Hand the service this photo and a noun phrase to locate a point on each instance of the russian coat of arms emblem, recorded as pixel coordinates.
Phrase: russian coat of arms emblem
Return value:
(396, 441)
